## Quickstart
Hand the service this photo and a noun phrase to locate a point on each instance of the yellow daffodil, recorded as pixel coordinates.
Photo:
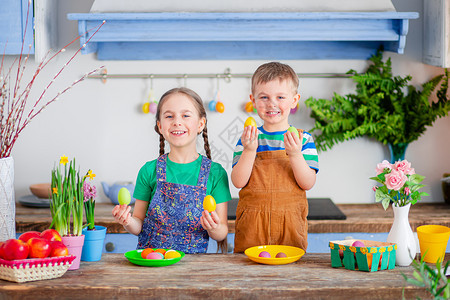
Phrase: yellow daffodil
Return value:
(64, 160)
(55, 190)
(90, 175)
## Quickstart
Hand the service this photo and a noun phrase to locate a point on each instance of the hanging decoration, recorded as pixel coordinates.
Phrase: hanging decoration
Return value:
(151, 104)
(216, 104)
(294, 110)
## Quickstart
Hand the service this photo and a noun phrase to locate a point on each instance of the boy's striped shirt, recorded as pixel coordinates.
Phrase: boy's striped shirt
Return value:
(271, 141)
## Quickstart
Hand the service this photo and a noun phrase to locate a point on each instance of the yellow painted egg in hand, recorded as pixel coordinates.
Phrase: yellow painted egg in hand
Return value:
(209, 203)
(294, 130)
(124, 196)
(171, 254)
(250, 122)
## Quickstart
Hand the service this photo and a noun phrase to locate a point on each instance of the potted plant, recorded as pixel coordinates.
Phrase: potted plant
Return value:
(384, 107)
(66, 206)
(94, 235)
(400, 185)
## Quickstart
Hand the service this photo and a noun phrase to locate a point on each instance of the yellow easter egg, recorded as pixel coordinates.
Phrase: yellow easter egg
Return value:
(124, 196)
(209, 203)
(171, 254)
(250, 122)
(146, 107)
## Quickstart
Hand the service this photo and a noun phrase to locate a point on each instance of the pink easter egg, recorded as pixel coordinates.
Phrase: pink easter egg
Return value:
(152, 107)
(155, 255)
(358, 244)
(264, 254)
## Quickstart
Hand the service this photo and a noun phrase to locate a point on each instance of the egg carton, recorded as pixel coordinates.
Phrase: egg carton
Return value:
(32, 269)
(372, 257)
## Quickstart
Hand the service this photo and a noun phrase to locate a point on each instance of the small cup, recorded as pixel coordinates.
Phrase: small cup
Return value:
(433, 242)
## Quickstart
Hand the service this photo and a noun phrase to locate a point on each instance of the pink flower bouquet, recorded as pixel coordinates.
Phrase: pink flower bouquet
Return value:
(400, 184)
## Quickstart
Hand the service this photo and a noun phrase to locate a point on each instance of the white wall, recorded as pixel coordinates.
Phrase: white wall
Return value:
(100, 124)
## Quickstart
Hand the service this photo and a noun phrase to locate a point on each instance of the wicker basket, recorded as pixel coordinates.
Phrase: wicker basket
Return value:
(33, 269)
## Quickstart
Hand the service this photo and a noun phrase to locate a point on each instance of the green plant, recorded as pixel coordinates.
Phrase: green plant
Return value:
(433, 280)
(384, 107)
(67, 202)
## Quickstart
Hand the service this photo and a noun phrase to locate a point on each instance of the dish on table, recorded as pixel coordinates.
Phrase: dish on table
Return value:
(33, 201)
(134, 256)
(292, 254)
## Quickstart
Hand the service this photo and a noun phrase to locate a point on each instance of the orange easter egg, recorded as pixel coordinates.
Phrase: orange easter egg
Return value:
(220, 107)
(249, 106)
(146, 252)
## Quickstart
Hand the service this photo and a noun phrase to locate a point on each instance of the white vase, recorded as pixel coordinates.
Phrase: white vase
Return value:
(7, 200)
(402, 234)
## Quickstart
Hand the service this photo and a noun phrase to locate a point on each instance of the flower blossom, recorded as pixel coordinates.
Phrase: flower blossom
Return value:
(90, 191)
(374, 188)
(407, 191)
(64, 160)
(395, 180)
(383, 165)
(405, 167)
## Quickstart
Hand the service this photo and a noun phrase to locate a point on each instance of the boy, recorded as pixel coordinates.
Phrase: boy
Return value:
(273, 166)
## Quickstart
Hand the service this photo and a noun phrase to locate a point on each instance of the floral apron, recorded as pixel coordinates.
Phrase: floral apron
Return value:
(173, 217)
(272, 208)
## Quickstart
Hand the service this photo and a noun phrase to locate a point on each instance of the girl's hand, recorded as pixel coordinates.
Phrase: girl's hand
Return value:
(209, 221)
(292, 143)
(121, 214)
(249, 138)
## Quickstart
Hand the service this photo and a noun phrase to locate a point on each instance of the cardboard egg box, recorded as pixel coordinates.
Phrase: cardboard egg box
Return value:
(372, 257)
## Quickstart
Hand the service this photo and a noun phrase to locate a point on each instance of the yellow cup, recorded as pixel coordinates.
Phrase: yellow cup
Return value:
(433, 242)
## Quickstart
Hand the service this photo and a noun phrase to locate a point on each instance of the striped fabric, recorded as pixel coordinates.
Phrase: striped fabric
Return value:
(271, 141)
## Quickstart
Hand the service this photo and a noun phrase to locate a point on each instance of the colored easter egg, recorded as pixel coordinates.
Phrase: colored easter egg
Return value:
(212, 105)
(146, 252)
(280, 255)
(250, 122)
(249, 106)
(220, 107)
(264, 254)
(171, 254)
(294, 110)
(155, 255)
(160, 250)
(358, 244)
(152, 107)
(145, 107)
(124, 196)
(294, 130)
(209, 203)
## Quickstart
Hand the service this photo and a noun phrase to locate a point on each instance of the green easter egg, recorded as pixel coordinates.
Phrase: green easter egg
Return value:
(124, 196)
(294, 130)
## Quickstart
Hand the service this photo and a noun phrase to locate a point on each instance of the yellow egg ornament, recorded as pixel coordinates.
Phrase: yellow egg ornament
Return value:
(209, 203)
(124, 196)
(250, 122)
(171, 254)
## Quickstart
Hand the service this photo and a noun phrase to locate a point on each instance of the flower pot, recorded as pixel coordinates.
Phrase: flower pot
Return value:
(402, 234)
(75, 245)
(433, 242)
(93, 243)
(7, 200)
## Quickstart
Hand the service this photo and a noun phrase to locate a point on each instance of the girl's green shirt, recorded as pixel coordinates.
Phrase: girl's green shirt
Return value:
(186, 174)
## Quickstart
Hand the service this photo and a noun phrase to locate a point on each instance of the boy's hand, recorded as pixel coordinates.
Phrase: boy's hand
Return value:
(292, 143)
(122, 214)
(209, 221)
(249, 138)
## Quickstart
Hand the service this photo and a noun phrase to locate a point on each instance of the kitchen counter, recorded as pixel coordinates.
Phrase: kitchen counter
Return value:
(218, 276)
(360, 218)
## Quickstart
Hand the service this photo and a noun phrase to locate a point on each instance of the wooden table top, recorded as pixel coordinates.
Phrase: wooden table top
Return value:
(360, 218)
(218, 276)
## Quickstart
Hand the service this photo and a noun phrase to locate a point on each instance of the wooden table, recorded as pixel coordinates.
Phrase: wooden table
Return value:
(360, 218)
(218, 276)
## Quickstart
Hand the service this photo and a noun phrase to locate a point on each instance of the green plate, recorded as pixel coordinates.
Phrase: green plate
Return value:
(134, 256)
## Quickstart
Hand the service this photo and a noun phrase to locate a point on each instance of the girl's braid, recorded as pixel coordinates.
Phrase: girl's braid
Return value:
(206, 142)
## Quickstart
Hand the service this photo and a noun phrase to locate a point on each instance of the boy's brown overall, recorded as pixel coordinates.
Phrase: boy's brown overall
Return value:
(272, 208)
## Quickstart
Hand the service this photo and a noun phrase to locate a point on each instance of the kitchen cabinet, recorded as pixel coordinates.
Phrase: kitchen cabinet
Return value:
(436, 33)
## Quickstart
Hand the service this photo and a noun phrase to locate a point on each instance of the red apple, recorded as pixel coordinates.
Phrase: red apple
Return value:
(58, 249)
(39, 248)
(15, 249)
(51, 235)
(1, 250)
(28, 235)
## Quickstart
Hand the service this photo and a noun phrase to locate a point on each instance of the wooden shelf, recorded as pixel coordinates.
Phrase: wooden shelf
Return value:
(296, 35)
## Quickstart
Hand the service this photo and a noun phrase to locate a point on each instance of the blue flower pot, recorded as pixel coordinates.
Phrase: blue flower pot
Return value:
(93, 243)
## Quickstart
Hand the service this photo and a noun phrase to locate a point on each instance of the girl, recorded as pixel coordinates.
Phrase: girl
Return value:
(169, 191)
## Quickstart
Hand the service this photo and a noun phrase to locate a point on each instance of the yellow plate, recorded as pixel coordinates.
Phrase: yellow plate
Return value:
(292, 253)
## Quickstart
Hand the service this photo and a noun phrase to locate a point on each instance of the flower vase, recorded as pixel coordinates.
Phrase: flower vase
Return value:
(75, 245)
(93, 243)
(397, 151)
(402, 235)
(7, 200)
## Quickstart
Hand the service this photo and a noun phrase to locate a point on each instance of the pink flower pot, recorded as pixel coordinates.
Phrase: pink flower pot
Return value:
(75, 245)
